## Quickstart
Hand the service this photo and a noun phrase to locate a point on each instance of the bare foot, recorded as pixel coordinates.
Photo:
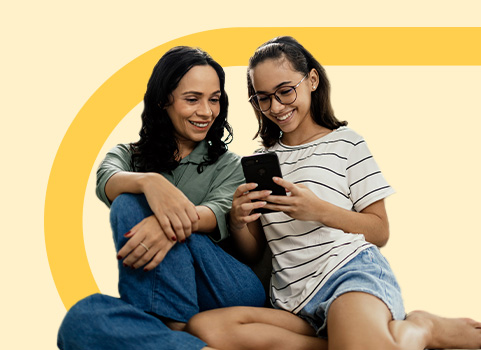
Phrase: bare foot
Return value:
(449, 333)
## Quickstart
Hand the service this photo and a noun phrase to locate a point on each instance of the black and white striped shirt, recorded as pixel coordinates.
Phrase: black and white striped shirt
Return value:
(340, 169)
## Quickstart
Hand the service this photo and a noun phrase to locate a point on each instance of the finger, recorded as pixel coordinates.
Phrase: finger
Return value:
(251, 218)
(284, 200)
(194, 219)
(258, 194)
(186, 224)
(167, 228)
(276, 207)
(134, 256)
(244, 188)
(248, 207)
(289, 186)
(157, 259)
(131, 244)
(178, 227)
(145, 257)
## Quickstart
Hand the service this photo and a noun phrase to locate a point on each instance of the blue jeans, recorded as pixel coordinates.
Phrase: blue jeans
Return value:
(194, 276)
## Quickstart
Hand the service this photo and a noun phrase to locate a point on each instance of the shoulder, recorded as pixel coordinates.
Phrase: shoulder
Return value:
(121, 149)
(348, 135)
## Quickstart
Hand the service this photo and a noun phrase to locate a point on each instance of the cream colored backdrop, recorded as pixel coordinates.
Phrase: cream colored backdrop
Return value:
(421, 124)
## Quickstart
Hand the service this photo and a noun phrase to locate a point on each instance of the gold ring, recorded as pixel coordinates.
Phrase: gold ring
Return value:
(143, 245)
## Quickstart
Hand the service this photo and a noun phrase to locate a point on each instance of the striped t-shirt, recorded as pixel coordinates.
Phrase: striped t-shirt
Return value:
(340, 169)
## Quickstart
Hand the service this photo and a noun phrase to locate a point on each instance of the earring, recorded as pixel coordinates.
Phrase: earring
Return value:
(314, 87)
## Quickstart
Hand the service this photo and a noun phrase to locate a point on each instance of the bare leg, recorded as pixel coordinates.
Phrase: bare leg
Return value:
(254, 328)
(362, 321)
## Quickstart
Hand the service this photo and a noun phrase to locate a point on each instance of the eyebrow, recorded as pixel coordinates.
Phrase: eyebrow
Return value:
(197, 93)
(275, 87)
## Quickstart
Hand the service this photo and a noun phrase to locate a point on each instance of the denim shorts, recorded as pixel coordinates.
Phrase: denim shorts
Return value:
(368, 272)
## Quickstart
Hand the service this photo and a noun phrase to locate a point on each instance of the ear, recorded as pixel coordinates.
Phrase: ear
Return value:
(313, 79)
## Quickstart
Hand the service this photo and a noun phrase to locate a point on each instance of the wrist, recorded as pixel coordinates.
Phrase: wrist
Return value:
(145, 179)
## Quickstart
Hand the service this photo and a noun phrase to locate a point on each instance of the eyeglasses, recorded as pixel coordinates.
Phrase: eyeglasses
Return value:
(285, 95)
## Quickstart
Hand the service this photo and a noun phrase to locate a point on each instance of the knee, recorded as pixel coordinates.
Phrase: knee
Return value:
(75, 327)
(126, 202)
(215, 327)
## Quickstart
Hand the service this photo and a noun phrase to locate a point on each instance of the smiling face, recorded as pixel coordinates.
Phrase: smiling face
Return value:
(195, 105)
(295, 119)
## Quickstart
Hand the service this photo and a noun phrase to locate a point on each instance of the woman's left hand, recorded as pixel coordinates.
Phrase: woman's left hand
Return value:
(301, 204)
(147, 244)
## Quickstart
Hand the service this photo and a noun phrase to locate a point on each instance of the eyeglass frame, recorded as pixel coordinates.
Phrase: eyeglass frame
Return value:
(278, 99)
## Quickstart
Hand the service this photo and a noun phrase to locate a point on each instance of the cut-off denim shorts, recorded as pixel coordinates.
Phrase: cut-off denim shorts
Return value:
(368, 272)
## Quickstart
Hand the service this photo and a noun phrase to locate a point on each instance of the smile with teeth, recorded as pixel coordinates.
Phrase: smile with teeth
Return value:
(285, 116)
(199, 125)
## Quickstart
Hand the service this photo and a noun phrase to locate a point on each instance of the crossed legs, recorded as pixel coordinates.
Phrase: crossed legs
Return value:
(355, 321)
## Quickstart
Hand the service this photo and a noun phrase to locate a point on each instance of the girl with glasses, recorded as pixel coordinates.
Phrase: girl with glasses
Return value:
(330, 286)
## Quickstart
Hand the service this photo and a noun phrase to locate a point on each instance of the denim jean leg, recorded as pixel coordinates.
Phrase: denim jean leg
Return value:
(168, 290)
(222, 280)
(101, 322)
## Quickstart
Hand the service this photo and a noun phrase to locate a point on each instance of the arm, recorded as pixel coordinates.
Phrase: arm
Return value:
(176, 214)
(303, 204)
(244, 225)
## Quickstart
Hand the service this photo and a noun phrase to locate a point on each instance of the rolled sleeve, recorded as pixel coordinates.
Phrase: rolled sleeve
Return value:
(116, 160)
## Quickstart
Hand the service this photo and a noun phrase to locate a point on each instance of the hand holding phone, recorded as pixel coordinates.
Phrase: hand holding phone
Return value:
(261, 168)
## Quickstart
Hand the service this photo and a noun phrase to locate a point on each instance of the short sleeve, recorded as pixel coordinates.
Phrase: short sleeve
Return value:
(228, 177)
(366, 182)
(116, 160)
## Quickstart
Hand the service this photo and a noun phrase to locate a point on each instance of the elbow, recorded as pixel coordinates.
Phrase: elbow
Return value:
(383, 238)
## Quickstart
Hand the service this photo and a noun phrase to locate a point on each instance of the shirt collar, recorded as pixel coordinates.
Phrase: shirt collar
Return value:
(197, 155)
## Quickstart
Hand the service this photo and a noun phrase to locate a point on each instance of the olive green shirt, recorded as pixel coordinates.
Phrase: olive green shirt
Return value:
(213, 188)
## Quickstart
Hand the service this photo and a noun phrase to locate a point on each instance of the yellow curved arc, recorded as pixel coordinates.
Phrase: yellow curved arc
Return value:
(230, 47)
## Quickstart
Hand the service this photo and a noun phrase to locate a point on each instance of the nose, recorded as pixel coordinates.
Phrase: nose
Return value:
(204, 109)
(276, 106)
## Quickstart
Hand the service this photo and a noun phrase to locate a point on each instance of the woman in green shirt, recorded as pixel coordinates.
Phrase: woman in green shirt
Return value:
(169, 193)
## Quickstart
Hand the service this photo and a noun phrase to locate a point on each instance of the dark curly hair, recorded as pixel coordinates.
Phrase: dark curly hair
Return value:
(286, 47)
(157, 150)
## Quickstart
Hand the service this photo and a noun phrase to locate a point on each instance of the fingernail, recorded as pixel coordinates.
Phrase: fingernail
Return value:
(182, 241)
(174, 238)
(127, 234)
(119, 257)
(125, 265)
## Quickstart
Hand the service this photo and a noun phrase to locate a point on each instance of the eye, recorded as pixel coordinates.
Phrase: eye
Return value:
(215, 100)
(191, 100)
(284, 91)
(262, 98)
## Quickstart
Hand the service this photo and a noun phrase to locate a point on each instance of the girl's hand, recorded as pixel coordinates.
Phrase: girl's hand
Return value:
(175, 213)
(147, 244)
(301, 204)
(243, 204)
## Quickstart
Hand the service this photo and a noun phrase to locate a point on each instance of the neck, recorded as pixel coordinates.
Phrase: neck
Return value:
(185, 148)
(304, 135)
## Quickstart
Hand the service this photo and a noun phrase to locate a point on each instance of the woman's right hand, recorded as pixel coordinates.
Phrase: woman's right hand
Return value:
(175, 213)
(243, 204)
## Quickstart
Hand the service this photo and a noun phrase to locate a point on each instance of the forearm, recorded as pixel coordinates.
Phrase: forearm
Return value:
(372, 222)
(128, 182)
(249, 240)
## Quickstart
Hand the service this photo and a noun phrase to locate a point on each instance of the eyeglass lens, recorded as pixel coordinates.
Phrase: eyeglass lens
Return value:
(284, 95)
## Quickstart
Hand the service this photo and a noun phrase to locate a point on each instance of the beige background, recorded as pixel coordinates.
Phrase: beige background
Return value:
(421, 124)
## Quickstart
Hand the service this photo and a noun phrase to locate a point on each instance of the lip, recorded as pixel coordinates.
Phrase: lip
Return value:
(200, 125)
(283, 115)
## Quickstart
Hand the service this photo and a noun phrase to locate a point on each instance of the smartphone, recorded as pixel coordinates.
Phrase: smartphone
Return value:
(261, 168)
